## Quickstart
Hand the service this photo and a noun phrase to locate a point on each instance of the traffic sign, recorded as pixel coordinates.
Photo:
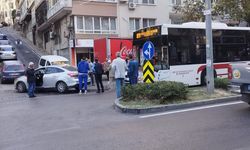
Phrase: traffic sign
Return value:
(148, 50)
(148, 72)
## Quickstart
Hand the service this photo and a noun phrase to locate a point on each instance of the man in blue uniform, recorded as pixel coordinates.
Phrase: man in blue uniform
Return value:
(83, 68)
(133, 67)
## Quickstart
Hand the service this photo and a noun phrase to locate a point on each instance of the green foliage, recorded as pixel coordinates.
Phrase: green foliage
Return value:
(164, 92)
(221, 83)
(192, 10)
(228, 7)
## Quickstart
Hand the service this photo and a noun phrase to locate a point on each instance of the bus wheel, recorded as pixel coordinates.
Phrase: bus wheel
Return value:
(204, 77)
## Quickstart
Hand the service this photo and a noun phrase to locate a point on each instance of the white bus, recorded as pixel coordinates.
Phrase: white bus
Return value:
(180, 50)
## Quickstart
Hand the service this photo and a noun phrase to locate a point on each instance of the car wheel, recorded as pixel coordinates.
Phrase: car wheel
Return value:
(21, 88)
(1, 81)
(61, 87)
(77, 88)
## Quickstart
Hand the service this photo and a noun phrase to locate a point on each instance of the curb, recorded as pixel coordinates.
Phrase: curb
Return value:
(155, 109)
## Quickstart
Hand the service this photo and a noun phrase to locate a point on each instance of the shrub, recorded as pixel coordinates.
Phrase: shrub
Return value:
(164, 92)
(221, 83)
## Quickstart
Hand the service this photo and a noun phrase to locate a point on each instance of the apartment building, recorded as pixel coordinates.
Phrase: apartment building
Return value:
(27, 18)
(69, 27)
(6, 8)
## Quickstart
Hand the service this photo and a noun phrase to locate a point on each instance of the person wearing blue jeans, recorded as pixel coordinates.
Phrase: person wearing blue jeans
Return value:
(83, 68)
(31, 89)
(119, 66)
(133, 68)
(31, 79)
(119, 84)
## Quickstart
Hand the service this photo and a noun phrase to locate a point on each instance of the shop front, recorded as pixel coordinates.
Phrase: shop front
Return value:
(81, 48)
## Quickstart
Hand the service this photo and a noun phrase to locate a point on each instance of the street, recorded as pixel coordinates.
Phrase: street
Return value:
(24, 52)
(72, 121)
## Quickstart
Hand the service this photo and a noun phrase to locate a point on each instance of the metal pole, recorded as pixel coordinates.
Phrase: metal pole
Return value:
(209, 49)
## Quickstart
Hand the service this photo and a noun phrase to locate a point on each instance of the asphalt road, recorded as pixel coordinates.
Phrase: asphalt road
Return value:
(88, 122)
(25, 53)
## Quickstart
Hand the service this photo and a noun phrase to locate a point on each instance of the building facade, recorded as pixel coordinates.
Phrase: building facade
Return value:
(6, 10)
(69, 27)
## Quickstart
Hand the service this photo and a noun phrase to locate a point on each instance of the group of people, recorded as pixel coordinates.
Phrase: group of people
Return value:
(87, 68)
(120, 66)
(95, 70)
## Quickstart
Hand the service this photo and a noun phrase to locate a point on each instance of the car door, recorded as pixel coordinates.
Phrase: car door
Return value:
(51, 76)
(39, 73)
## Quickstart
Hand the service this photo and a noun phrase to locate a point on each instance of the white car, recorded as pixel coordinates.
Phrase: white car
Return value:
(60, 78)
(7, 52)
(48, 60)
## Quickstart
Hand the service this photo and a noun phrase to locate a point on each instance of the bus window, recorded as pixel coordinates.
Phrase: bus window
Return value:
(160, 59)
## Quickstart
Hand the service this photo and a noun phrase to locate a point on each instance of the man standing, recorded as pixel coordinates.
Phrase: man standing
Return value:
(106, 67)
(119, 66)
(91, 72)
(83, 68)
(133, 68)
(31, 79)
(98, 75)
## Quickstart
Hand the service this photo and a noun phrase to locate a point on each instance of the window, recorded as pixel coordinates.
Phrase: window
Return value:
(51, 70)
(148, 22)
(148, 1)
(134, 1)
(42, 62)
(88, 23)
(134, 24)
(79, 22)
(176, 2)
(96, 25)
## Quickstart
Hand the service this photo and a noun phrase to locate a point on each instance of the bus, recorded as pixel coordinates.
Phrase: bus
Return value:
(180, 50)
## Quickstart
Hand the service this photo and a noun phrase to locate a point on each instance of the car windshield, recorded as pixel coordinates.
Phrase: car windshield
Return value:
(69, 68)
(3, 37)
(14, 68)
(59, 63)
(7, 48)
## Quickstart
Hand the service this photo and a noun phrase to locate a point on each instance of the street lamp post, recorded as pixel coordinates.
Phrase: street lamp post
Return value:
(209, 49)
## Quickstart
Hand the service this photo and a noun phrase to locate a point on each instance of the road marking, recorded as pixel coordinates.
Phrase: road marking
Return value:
(190, 109)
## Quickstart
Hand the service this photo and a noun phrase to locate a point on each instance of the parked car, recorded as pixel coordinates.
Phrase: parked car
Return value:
(7, 52)
(4, 39)
(10, 70)
(240, 77)
(48, 60)
(4, 24)
(60, 78)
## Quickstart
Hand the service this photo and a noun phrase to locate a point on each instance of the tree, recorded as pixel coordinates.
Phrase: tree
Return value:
(229, 9)
(192, 10)
(246, 10)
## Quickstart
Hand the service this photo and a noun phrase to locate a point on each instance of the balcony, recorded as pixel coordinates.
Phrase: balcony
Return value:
(59, 9)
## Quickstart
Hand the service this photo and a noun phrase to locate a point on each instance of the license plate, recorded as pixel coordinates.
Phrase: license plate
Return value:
(14, 74)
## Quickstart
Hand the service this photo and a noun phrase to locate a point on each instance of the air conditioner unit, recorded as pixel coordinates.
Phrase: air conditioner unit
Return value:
(123, 1)
(52, 35)
(131, 5)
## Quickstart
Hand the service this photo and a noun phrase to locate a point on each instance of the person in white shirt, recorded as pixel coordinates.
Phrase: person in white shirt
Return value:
(119, 67)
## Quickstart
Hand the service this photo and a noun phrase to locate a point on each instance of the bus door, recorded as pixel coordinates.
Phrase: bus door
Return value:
(161, 60)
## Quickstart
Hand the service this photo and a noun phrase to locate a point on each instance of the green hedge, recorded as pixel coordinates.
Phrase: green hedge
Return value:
(221, 83)
(164, 92)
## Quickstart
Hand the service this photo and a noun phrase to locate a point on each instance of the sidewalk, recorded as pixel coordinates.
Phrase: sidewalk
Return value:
(18, 35)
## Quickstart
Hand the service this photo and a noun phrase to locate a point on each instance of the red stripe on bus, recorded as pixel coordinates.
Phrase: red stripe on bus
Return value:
(216, 66)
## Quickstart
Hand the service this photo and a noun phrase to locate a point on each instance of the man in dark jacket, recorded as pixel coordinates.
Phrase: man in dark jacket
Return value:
(98, 75)
(83, 68)
(133, 68)
(31, 80)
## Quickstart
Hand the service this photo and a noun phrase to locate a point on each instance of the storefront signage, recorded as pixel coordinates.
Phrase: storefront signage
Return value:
(148, 32)
(83, 43)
